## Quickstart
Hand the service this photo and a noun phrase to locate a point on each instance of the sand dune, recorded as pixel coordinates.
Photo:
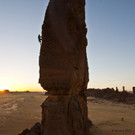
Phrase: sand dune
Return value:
(22, 110)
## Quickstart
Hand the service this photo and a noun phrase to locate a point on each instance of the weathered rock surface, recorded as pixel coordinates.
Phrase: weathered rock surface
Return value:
(63, 115)
(63, 63)
(63, 69)
(35, 130)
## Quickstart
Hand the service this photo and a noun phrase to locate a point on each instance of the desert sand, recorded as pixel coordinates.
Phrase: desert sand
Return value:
(19, 111)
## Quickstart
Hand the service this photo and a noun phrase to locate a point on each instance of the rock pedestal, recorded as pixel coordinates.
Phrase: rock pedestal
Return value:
(65, 115)
(63, 69)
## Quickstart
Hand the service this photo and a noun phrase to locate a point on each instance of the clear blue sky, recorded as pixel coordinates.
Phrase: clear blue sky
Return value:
(111, 43)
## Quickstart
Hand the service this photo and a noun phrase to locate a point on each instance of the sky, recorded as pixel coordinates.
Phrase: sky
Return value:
(110, 50)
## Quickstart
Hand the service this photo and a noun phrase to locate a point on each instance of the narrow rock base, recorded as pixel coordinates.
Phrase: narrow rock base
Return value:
(65, 115)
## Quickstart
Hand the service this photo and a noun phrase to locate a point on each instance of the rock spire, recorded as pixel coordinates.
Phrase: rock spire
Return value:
(63, 69)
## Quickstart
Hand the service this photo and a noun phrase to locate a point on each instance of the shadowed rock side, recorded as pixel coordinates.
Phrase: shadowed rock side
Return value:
(63, 69)
(35, 130)
(63, 63)
(62, 115)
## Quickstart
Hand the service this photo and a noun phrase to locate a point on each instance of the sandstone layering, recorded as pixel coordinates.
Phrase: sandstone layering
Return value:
(63, 69)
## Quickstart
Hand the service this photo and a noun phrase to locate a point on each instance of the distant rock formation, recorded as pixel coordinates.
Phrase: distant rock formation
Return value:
(63, 69)
(123, 88)
(117, 89)
(134, 90)
(111, 94)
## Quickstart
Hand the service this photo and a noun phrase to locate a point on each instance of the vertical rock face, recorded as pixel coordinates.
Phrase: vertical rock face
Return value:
(63, 68)
(63, 63)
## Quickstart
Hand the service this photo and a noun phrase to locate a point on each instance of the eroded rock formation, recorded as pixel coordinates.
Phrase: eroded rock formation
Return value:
(111, 94)
(63, 69)
(35, 130)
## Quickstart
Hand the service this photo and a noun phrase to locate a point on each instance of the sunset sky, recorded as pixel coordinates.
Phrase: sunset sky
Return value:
(111, 43)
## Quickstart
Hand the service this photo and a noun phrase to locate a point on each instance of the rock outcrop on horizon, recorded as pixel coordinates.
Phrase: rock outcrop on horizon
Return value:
(113, 95)
(134, 90)
(64, 69)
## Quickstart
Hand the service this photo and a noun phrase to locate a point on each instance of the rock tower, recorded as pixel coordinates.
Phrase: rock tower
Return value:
(64, 69)
(134, 90)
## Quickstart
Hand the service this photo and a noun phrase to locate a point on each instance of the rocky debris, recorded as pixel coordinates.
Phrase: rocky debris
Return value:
(35, 130)
(64, 69)
(122, 119)
(25, 132)
(111, 94)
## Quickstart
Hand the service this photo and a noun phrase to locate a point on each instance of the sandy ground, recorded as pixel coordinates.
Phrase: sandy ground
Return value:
(20, 111)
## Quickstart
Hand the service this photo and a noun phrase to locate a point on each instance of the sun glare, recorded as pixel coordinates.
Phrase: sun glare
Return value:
(3, 88)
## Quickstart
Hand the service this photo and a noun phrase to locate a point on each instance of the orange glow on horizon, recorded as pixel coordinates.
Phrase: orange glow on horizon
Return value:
(2, 88)
(20, 89)
(2, 91)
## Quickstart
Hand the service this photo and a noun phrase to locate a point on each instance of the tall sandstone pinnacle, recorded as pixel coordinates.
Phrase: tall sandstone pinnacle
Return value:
(63, 69)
